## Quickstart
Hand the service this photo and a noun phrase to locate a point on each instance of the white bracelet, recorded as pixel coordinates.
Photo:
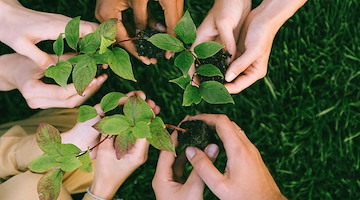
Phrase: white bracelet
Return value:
(93, 195)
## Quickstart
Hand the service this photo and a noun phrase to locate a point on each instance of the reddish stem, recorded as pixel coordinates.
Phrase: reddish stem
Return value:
(96, 145)
(130, 39)
(175, 128)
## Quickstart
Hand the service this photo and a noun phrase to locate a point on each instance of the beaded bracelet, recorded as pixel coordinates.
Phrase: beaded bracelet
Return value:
(96, 197)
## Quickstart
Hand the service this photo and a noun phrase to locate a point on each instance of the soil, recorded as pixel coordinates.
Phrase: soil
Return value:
(146, 48)
(197, 134)
(219, 60)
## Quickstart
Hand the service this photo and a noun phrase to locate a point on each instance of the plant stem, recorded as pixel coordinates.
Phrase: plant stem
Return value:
(96, 145)
(175, 128)
(130, 39)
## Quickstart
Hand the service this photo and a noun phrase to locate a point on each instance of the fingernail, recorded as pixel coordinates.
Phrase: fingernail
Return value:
(230, 76)
(160, 27)
(190, 152)
(137, 31)
(212, 150)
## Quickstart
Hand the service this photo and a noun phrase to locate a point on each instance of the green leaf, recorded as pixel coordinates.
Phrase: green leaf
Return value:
(102, 58)
(124, 142)
(184, 61)
(58, 45)
(108, 29)
(207, 49)
(75, 59)
(72, 32)
(186, 29)
(90, 43)
(60, 73)
(110, 101)
(42, 163)
(83, 73)
(119, 62)
(166, 42)
(68, 149)
(113, 125)
(69, 163)
(160, 138)
(105, 43)
(209, 70)
(86, 162)
(181, 81)
(47, 137)
(215, 93)
(141, 130)
(49, 185)
(136, 109)
(191, 95)
(86, 113)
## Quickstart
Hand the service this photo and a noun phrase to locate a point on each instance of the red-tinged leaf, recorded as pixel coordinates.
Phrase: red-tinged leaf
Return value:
(124, 142)
(138, 110)
(47, 137)
(49, 185)
(160, 138)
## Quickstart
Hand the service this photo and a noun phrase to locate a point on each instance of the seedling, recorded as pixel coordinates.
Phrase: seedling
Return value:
(146, 48)
(210, 90)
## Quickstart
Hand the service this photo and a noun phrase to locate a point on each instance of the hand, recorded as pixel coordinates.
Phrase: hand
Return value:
(169, 171)
(19, 72)
(22, 28)
(106, 9)
(245, 176)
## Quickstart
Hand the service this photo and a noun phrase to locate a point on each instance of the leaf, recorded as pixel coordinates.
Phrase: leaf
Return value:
(86, 162)
(72, 32)
(102, 58)
(215, 93)
(166, 42)
(184, 61)
(49, 185)
(113, 125)
(124, 142)
(90, 43)
(75, 59)
(209, 70)
(47, 137)
(181, 81)
(186, 29)
(42, 163)
(108, 28)
(136, 109)
(86, 113)
(207, 49)
(105, 43)
(191, 95)
(68, 149)
(110, 101)
(119, 62)
(141, 130)
(58, 45)
(60, 73)
(83, 73)
(160, 138)
(69, 163)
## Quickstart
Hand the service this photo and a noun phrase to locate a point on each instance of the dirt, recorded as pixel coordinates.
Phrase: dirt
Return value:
(146, 48)
(197, 134)
(219, 60)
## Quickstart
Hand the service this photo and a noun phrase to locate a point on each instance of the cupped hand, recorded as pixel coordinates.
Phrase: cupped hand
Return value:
(22, 28)
(106, 9)
(245, 176)
(167, 182)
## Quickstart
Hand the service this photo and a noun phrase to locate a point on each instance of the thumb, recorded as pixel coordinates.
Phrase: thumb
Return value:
(204, 167)
(240, 64)
(30, 50)
(87, 27)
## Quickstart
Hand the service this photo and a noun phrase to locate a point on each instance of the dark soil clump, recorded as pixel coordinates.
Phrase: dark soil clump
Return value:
(146, 48)
(219, 60)
(197, 134)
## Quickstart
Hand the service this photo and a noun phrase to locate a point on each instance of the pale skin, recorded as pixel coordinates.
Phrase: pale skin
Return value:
(106, 9)
(20, 72)
(22, 28)
(245, 176)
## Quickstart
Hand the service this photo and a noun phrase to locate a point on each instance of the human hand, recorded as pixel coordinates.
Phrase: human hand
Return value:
(245, 176)
(106, 9)
(19, 72)
(169, 171)
(22, 28)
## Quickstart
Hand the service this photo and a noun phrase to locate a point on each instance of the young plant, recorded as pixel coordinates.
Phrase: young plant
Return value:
(211, 90)
(91, 50)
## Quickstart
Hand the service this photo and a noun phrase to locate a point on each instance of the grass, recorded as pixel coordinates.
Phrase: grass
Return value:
(303, 117)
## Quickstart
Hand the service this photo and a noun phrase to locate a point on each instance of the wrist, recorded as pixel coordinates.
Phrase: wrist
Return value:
(104, 191)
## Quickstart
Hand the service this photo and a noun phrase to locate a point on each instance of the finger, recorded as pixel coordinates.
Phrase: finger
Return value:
(153, 24)
(140, 149)
(140, 13)
(86, 28)
(240, 64)
(241, 133)
(227, 37)
(242, 82)
(132, 93)
(206, 31)
(30, 50)
(108, 143)
(205, 169)
(178, 167)
(157, 110)
(180, 7)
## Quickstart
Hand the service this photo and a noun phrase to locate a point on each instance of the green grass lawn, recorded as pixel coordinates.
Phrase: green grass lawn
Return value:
(304, 116)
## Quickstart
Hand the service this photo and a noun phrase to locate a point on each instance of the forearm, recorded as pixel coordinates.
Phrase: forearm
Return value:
(6, 82)
(277, 12)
